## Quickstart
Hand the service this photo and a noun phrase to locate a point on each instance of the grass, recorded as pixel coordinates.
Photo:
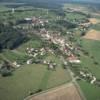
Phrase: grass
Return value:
(23, 80)
(93, 48)
(13, 56)
(33, 43)
(31, 78)
(73, 16)
(96, 27)
(27, 11)
(4, 8)
(91, 92)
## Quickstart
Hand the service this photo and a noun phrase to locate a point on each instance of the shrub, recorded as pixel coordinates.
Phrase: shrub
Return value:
(5, 72)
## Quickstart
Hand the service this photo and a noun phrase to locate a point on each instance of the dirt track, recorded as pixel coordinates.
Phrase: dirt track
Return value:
(66, 92)
(93, 35)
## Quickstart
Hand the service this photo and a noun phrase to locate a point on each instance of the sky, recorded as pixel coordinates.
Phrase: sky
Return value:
(88, 0)
(97, 1)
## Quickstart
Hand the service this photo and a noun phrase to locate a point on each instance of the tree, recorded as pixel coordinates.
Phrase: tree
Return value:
(6, 69)
(10, 37)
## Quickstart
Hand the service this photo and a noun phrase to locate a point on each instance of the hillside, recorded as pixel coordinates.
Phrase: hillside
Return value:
(10, 37)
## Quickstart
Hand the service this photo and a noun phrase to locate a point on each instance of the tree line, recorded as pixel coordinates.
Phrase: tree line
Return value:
(10, 37)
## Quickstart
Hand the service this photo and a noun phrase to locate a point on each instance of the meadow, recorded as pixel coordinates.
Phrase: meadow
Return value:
(31, 78)
(91, 91)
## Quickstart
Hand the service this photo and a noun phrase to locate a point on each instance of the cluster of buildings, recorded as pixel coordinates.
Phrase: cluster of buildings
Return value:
(42, 51)
(88, 76)
(32, 52)
(36, 21)
(51, 65)
(65, 46)
(35, 53)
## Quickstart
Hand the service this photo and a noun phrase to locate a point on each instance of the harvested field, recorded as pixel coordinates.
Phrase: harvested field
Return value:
(92, 34)
(66, 92)
(94, 20)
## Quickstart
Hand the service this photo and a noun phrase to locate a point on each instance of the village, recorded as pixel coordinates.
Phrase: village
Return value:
(66, 48)
(49, 48)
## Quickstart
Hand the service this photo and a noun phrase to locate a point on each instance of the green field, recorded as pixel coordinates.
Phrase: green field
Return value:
(96, 27)
(92, 47)
(91, 92)
(24, 12)
(75, 16)
(31, 78)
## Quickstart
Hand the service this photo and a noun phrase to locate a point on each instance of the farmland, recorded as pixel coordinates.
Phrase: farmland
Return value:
(91, 92)
(63, 91)
(30, 79)
(93, 48)
(93, 34)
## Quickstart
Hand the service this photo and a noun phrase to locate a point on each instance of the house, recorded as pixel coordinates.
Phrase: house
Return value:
(35, 54)
(73, 59)
(29, 61)
(28, 20)
(65, 63)
(32, 49)
(16, 64)
(44, 62)
(82, 74)
(93, 80)
(51, 66)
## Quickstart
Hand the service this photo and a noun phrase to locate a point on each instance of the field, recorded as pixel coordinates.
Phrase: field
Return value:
(29, 79)
(73, 16)
(91, 91)
(96, 27)
(93, 48)
(93, 35)
(65, 92)
(94, 20)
